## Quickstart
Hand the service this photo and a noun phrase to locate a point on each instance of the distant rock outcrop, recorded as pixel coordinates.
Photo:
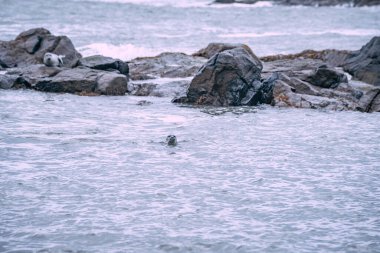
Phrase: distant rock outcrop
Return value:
(30, 46)
(356, 3)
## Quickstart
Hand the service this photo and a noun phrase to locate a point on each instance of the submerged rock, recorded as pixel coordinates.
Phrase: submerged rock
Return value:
(165, 65)
(30, 47)
(364, 64)
(231, 77)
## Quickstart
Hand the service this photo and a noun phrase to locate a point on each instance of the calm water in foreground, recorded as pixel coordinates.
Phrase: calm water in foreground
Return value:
(93, 174)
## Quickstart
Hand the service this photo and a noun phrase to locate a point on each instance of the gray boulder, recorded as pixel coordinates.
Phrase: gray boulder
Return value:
(171, 65)
(229, 78)
(8, 81)
(32, 74)
(84, 81)
(364, 65)
(30, 47)
(78, 80)
(105, 63)
(214, 48)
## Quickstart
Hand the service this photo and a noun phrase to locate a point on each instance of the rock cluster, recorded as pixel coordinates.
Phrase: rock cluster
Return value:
(22, 60)
(218, 75)
(310, 79)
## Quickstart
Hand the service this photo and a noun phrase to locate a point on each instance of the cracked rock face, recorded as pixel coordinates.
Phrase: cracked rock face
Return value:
(30, 47)
(229, 78)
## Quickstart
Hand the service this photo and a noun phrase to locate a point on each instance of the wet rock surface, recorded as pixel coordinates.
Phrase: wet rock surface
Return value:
(219, 75)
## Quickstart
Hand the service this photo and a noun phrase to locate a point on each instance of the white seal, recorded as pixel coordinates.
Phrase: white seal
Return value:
(53, 60)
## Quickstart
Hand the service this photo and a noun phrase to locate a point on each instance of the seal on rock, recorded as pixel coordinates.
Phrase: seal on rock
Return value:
(53, 60)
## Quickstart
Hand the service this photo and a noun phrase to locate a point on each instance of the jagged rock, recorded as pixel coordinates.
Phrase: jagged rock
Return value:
(214, 48)
(105, 63)
(30, 46)
(285, 96)
(171, 65)
(326, 77)
(364, 65)
(231, 77)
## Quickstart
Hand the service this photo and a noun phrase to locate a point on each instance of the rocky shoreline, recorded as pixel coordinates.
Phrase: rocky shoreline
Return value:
(218, 75)
(317, 3)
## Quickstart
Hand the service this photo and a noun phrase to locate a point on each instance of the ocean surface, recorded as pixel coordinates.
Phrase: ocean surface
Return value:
(93, 174)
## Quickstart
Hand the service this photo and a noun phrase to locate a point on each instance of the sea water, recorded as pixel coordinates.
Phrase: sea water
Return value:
(94, 174)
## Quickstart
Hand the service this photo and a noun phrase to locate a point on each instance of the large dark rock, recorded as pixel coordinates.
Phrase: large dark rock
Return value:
(364, 64)
(229, 78)
(105, 63)
(214, 48)
(171, 65)
(30, 47)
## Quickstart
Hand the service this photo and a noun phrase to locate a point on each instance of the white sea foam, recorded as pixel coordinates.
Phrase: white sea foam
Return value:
(158, 3)
(123, 52)
(185, 3)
